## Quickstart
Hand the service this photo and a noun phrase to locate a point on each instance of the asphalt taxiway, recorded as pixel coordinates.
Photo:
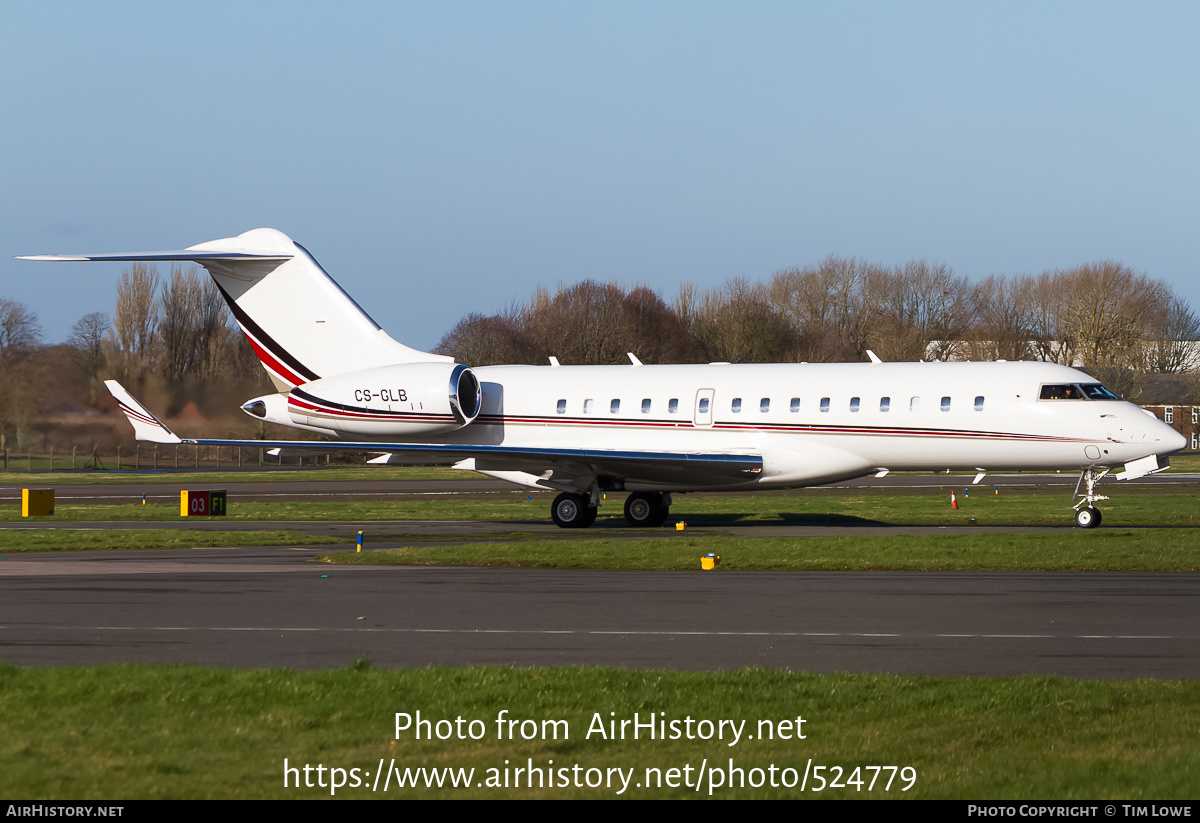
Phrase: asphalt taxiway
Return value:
(250, 607)
(257, 607)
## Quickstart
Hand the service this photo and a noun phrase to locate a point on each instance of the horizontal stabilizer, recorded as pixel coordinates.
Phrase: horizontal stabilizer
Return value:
(155, 256)
(145, 425)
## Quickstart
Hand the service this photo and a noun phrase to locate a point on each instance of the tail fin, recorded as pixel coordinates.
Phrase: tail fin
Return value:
(145, 425)
(302, 324)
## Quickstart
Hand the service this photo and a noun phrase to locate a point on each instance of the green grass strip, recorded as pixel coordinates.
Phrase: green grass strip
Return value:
(61, 540)
(1135, 506)
(1113, 550)
(126, 732)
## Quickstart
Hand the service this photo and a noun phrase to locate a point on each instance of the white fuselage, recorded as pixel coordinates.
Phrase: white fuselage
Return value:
(816, 423)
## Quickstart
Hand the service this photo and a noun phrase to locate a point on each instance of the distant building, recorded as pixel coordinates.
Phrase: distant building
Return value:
(1183, 419)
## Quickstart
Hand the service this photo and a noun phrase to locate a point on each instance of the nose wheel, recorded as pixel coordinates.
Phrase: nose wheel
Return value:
(1087, 516)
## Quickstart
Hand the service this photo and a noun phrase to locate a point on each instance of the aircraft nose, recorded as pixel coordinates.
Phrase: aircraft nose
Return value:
(1172, 441)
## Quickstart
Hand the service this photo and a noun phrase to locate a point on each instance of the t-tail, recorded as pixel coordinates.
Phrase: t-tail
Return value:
(301, 323)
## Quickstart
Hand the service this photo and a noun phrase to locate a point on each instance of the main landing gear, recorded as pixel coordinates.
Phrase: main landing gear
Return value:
(1088, 517)
(572, 510)
(647, 508)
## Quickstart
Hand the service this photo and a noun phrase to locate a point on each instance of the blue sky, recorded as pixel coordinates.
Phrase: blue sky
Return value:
(442, 158)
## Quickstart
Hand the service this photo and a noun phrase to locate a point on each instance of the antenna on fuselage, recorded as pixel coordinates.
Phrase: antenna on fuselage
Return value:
(874, 357)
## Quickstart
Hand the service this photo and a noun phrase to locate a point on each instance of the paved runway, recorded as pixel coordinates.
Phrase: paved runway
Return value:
(273, 607)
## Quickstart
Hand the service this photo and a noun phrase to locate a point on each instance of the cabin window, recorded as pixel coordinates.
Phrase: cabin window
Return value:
(673, 405)
(736, 405)
(979, 403)
(614, 407)
(587, 406)
(562, 406)
(764, 405)
(1169, 414)
(945, 404)
(703, 409)
(824, 404)
(914, 404)
(854, 404)
(795, 404)
(646, 405)
(885, 403)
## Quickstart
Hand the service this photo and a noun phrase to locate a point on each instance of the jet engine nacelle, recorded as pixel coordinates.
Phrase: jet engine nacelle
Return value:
(402, 400)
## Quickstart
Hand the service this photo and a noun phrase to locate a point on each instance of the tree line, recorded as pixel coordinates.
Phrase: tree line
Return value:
(170, 340)
(1118, 324)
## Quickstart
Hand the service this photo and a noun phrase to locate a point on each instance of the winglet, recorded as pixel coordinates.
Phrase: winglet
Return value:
(145, 425)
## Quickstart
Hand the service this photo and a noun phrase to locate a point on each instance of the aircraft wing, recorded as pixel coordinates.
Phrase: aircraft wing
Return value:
(650, 466)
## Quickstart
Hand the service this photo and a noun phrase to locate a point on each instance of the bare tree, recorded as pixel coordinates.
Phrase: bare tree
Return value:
(1001, 327)
(833, 309)
(498, 339)
(136, 318)
(736, 324)
(1108, 306)
(924, 314)
(19, 329)
(20, 334)
(1174, 334)
(88, 337)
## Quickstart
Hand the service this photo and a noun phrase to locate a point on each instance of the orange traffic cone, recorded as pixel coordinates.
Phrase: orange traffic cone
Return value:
(953, 502)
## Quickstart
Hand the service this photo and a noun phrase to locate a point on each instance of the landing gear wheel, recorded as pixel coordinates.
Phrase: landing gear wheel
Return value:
(571, 511)
(645, 509)
(1088, 517)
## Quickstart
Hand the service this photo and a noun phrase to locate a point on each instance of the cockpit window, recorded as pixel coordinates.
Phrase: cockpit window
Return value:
(1073, 391)
(1061, 391)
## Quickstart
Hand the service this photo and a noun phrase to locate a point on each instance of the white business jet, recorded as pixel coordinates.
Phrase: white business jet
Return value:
(649, 430)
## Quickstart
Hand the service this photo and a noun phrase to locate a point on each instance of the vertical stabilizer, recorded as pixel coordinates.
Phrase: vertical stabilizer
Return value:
(302, 324)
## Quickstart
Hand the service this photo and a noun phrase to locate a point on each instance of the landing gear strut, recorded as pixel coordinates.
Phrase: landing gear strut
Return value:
(1088, 517)
(571, 511)
(647, 509)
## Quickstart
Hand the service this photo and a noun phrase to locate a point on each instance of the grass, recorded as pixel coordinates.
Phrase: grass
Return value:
(1189, 462)
(127, 732)
(60, 540)
(1133, 506)
(1165, 550)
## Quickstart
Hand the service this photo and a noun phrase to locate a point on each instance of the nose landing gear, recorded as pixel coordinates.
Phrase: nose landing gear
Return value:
(1088, 517)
